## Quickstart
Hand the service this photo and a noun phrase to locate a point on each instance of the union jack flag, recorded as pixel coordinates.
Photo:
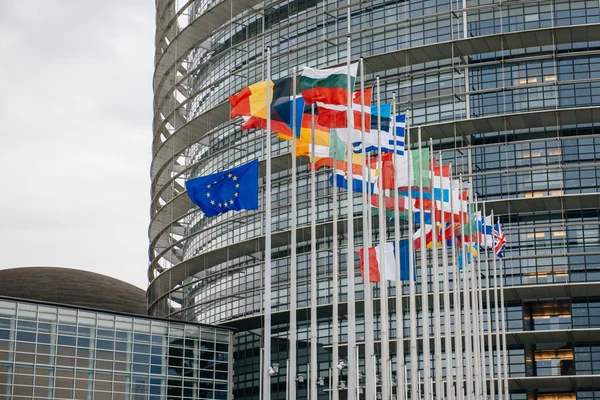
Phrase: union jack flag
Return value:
(499, 240)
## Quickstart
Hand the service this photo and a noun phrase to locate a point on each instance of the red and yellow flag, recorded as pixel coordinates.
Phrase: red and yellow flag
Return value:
(251, 101)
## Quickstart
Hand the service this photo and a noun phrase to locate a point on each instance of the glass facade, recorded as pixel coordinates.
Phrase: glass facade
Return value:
(508, 91)
(56, 352)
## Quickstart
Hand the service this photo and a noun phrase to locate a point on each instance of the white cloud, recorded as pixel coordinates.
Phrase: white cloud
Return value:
(76, 112)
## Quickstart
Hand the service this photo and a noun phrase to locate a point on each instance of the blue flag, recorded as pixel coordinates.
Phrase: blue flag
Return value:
(234, 189)
(403, 260)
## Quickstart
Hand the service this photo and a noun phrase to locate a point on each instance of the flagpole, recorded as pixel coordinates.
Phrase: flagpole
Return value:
(489, 310)
(414, 362)
(267, 257)
(314, 364)
(352, 365)
(335, 293)
(383, 289)
(424, 283)
(370, 375)
(437, 334)
(474, 299)
(458, 337)
(497, 335)
(293, 262)
(481, 329)
(367, 288)
(446, 286)
(399, 310)
(503, 321)
(466, 302)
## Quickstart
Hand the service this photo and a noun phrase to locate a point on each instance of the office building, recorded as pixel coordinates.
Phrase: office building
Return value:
(70, 334)
(508, 91)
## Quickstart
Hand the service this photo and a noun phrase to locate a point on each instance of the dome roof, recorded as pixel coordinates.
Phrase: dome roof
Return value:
(72, 287)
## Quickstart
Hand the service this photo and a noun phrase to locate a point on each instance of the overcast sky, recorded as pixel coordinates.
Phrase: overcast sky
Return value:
(76, 113)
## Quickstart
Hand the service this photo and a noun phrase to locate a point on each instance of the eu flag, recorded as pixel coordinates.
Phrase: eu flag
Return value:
(234, 189)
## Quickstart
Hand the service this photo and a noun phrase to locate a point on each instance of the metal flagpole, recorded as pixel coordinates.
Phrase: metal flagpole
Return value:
(497, 335)
(399, 310)
(267, 257)
(308, 380)
(314, 364)
(352, 364)
(383, 297)
(466, 303)
(291, 383)
(446, 288)
(489, 313)
(335, 293)
(424, 282)
(437, 329)
(371, 375)
(414, 362)
(474, 301)
(503, 322)
(367, 288)
(481, 328)
(456, 280)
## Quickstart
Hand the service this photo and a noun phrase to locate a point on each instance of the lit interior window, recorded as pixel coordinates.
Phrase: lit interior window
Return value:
(550, 78)
(563, 354)
(536, 235)
(557, 396)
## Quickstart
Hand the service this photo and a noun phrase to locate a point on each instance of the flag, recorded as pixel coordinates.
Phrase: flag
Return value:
(428, 236)
(391, 161)
(251, 100)
(233, 189)
(499, 240)
(485, 230)
(370, 142)
(404, 261)
(392, 261)
(439, 179)
(342, 181)
(327, 85)
(251, 104)
(472, 252)
(340, 162)
(400, 130)
(336, 115)
(449, 231)
(323, 141)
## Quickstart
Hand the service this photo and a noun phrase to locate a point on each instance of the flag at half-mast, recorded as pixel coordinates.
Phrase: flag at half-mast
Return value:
(329, 86)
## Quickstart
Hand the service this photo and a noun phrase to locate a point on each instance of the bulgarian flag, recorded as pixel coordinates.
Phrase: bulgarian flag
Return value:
(328, 86)
(336, 115)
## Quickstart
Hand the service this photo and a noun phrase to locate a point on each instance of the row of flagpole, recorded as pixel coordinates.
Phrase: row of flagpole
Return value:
(482, 377)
